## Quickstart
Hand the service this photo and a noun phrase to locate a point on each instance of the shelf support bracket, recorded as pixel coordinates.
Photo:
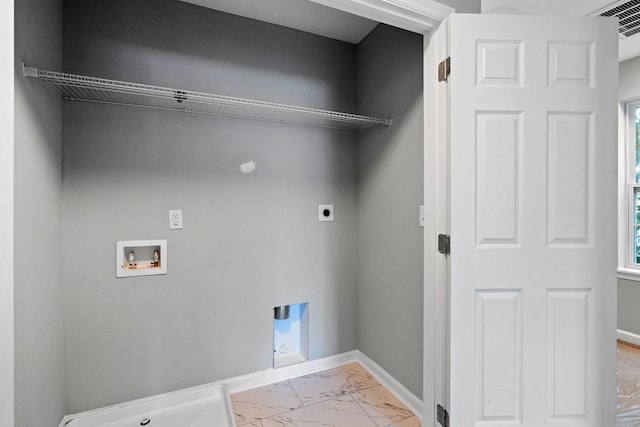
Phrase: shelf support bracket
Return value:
(29, 71)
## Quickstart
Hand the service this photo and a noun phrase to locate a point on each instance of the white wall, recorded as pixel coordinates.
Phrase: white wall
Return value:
(629, 86)
(249, 243)
(39, 379)
(6, 215)
(543, 7)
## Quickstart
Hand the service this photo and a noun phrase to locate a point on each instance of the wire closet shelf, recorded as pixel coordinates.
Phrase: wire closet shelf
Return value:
(91, 89)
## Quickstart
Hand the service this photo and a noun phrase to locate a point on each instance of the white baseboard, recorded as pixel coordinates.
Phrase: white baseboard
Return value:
(628, 337)
(403, 394)
(270, 376)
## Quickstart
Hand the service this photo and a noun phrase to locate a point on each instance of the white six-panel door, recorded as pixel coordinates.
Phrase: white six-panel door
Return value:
(533, 220)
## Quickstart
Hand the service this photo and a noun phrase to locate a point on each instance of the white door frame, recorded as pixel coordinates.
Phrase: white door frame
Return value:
(418, 16)
(423, 17)
(437, 190)
(6, 214)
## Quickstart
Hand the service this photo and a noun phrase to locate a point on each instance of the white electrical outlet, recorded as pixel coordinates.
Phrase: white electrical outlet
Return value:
(175, 219)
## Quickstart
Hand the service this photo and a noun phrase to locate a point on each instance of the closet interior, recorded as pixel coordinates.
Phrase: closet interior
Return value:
(104, 147)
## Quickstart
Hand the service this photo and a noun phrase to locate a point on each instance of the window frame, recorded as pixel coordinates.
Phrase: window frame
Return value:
(627, 268)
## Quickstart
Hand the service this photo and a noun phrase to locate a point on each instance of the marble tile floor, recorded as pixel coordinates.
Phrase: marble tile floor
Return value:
(347, 396)
(628, 381)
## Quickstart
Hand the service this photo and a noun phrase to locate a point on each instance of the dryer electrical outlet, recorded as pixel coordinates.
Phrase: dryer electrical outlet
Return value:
(325, 212)
(175, 219)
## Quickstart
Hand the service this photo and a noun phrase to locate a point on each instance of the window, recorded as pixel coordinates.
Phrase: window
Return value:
(630, 203)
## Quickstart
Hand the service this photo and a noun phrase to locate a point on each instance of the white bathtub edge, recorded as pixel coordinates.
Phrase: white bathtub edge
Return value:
(93, 412)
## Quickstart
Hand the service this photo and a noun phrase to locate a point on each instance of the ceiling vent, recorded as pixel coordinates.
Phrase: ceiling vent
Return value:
(628, 14)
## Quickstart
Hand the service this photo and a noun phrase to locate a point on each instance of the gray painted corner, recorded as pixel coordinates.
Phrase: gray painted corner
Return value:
(38, 313)
(390, 262)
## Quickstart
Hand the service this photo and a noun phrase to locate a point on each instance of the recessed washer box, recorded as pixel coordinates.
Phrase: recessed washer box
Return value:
(141, 257)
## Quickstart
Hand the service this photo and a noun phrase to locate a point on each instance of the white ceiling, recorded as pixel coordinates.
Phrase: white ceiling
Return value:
(628, 48)
(301, 15)
(321, 20)
(545, 7)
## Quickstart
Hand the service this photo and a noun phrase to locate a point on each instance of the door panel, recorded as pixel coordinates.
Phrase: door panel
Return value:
(533, 220)
(498, 138)
(499, 354)
(570, 354)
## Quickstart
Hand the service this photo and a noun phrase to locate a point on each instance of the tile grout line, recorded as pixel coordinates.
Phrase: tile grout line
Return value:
(370, 416)
(296, 393)
(288, 410)
(363, 409)
(358, 390)
(331, 397)
(350, 393)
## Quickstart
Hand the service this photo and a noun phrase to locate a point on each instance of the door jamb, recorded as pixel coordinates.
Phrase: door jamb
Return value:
(437, 215)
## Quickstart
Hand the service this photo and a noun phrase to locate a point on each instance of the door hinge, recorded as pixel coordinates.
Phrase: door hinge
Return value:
(444, 244)
(444, 69)
(443, 416)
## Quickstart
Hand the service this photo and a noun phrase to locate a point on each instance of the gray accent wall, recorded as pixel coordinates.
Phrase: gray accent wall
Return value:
(39, 377)
(249, 243)
(390, 261)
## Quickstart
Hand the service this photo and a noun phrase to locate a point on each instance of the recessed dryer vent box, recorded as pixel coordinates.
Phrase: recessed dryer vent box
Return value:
(141, 257)
(290, 334)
